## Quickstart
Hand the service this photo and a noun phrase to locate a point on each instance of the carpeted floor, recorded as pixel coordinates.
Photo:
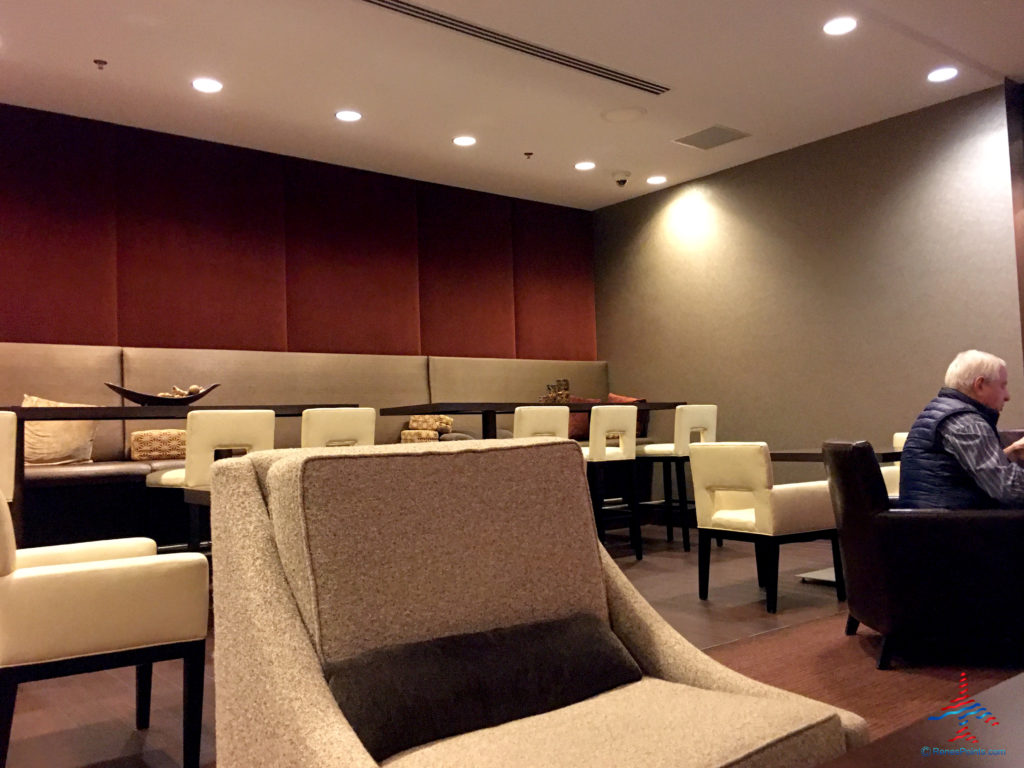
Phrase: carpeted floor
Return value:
(818, 660)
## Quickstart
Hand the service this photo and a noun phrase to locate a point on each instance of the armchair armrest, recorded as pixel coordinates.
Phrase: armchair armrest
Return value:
(663, 653)
(61, 611)
(801, 507)
(274, 706)
(86, 551)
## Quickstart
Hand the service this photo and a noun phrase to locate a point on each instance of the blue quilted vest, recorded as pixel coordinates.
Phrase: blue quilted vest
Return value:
(932, 478)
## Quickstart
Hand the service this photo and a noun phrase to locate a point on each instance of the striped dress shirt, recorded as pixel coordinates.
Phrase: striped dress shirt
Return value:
(976, 446)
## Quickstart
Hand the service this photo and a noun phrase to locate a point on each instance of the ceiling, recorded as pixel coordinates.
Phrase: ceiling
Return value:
(762, 67)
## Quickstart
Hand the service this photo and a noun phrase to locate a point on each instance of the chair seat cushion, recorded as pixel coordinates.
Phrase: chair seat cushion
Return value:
(652, 723)
(610, 454)
(166, 478)
(655, 449)
(406, 695)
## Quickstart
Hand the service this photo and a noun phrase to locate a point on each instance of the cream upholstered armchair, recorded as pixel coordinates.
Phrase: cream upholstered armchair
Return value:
(208, 432)
(98, 605)
(891, 472)
(736, 498)
(541, 421)
(323, 596)
(608, 423)
(701, 420)
(337, 427)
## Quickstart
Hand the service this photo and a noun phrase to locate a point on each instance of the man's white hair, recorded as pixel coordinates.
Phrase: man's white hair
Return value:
(969, 365)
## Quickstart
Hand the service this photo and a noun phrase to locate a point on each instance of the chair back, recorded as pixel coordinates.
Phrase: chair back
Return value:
(209, 431)
(541, 421)
(8, 435)
(899, 439)
(493, 518)
(732, 476)
(607, 420)
(702, 419)
(334, 427)
(859, 494)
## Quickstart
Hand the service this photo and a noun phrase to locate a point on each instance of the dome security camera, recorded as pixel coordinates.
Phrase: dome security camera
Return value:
(621, 177)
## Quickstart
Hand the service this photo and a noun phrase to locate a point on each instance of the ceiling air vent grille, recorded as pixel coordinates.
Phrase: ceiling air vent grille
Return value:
(515, 44)
(712, 137)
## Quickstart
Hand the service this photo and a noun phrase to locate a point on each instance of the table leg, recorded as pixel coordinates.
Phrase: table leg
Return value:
(489, 421)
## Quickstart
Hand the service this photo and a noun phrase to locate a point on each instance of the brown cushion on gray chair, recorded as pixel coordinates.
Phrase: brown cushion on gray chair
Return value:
(400, 697)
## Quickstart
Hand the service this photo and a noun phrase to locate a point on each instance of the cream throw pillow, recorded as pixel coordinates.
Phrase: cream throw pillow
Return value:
(57, 442)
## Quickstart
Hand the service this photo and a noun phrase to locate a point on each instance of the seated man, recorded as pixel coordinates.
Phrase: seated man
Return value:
(953, 457)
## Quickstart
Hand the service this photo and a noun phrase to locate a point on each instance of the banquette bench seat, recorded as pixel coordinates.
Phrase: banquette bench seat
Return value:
(76, 374)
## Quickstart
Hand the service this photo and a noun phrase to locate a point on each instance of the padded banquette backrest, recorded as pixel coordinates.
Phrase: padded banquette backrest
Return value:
(69, 373)
(249, 377)
(485, 379)
(390, 544)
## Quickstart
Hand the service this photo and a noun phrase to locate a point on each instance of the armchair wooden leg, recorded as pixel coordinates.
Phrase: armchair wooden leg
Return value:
(851, 625)
(666, 478)
(703, 562)
(767, 554)
(837, 566)
(595, 481)
(8, 693)
(684, 502)
(634, 513)
(885, 657)
(143, 694)
(192, 702)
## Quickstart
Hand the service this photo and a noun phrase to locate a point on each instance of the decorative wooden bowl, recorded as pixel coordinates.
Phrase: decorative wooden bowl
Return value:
(141, 398)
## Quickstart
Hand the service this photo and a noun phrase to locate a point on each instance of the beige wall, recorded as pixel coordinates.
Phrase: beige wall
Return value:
(820, 292)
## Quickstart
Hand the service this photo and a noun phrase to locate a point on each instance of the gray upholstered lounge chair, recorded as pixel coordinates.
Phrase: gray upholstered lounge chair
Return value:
(375, 565)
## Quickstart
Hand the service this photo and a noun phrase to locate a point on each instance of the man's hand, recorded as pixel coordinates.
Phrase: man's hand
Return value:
(1015, 451)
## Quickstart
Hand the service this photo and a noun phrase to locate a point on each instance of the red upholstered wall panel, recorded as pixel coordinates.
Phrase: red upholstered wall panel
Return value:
(467, 302)
(352, 264)
(58, 266)
(554, 282)
(201, 260)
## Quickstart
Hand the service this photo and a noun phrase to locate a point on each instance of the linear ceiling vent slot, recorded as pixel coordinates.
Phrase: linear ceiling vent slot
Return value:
(515, 44)
(712, 137)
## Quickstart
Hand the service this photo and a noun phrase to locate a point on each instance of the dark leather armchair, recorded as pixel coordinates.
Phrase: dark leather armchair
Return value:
(924, 577)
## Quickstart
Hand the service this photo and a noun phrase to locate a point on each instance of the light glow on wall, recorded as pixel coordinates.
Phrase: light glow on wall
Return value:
(690, 219)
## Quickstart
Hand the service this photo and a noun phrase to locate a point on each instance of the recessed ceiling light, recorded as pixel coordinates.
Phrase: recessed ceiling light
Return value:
(656, 179)
(840, 25)
(464, 141)
(585, 165)
(348, 115)
(207, 85)
(942, 74)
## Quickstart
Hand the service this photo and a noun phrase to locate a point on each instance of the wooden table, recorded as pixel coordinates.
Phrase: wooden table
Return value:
(113, 413)
(489, 411)
(918, 744)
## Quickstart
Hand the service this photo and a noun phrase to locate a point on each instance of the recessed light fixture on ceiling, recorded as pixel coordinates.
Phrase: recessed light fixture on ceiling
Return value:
(942, 74)
(348, 115)
(841, 25)
(464, 141)
(207, 85)
(585, 165)
(656, 179)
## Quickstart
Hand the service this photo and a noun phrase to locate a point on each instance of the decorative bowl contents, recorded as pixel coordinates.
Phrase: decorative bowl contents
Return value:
(177, 395)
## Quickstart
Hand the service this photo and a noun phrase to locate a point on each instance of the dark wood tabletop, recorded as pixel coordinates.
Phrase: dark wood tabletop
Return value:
(489, 411)
(924, 742)
(816, 455)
